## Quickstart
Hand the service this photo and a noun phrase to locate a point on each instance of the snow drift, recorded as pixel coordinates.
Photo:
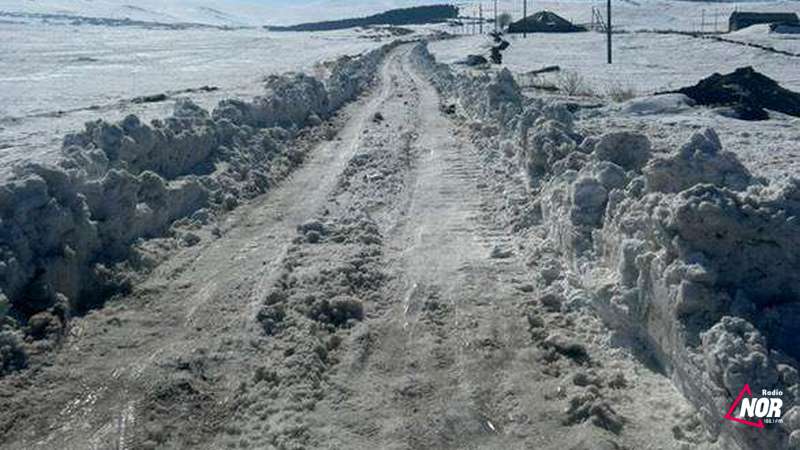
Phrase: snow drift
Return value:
(69, 230)
(688, 252)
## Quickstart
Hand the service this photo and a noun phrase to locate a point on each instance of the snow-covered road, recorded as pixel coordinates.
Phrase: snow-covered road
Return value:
(374, 300)
(451, 261)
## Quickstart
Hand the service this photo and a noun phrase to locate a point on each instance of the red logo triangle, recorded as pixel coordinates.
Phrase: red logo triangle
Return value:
(729, 416)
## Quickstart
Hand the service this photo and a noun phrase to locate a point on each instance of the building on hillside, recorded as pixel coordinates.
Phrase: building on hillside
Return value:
(741, 19)
(544, 22)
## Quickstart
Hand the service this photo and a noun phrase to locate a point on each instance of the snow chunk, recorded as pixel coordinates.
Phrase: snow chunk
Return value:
(631, 151)
(735, 354)
(701, 160)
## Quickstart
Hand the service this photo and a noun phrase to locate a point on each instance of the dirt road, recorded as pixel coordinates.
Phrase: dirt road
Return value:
(371, 301)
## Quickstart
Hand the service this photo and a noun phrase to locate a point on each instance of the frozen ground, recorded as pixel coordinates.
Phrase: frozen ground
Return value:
(55, 78)
(645, 62)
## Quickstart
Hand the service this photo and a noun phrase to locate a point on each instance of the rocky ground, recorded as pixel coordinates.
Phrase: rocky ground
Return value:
(399, 290)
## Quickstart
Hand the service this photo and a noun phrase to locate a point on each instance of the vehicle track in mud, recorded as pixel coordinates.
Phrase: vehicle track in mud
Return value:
(225, 345)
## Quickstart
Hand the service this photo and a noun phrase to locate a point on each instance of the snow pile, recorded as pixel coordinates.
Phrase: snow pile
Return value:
(68, 230)
(657, 104)
(688, 252)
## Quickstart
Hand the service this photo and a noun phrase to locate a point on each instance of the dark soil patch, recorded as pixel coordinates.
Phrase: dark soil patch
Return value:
(747, 92)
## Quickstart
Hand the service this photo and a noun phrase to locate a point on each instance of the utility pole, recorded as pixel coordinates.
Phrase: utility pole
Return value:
(480, 14)
(472, 21)
(496, 26)
(524, 18)
(608, 30)
(703, 21)
(716, 17)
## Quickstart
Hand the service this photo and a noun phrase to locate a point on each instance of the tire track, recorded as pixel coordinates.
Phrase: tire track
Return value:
(409, 377)
(162, 368)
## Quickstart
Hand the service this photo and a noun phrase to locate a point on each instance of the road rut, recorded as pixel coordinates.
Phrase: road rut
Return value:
(440, 344)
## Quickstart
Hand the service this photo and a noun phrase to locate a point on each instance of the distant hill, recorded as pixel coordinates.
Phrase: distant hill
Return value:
(406, 16)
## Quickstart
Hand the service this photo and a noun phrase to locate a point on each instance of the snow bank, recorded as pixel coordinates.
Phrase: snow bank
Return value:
(687, 252)
(66, 229)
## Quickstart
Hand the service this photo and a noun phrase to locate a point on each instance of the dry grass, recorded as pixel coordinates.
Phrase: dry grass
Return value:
(620, 92)
(573, 84)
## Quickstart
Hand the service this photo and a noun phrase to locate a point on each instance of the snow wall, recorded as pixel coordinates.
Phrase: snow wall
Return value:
(688, 253)
(69, 229)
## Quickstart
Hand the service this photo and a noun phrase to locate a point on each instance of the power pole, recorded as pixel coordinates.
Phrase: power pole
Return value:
(608, 30)
(472, 21)
(496, 26)
(716, 20)
(524, 18)
(703, 21)
(480, 14)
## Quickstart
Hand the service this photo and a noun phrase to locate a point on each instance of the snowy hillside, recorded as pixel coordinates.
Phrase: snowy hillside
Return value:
(646, 14)
(227, 13)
